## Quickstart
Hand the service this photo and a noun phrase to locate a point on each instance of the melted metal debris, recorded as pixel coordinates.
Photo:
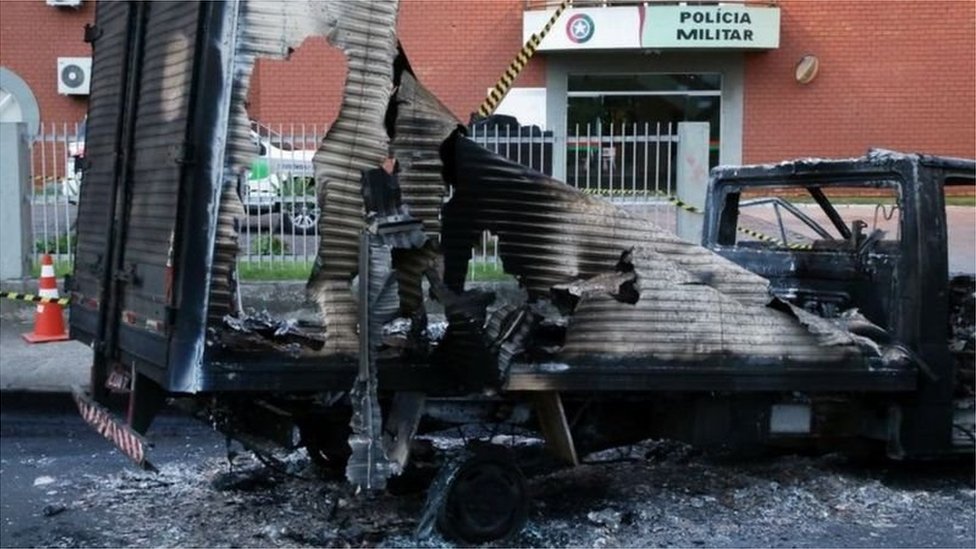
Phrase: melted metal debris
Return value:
(400, 331)
(391, 228)
(261, 330)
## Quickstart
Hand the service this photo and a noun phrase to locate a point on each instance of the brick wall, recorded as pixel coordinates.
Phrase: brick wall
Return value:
(304, 89)
(32, 37)
(457, 48)
(892, 74)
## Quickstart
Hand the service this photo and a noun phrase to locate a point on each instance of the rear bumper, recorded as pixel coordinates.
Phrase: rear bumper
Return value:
(129, 442)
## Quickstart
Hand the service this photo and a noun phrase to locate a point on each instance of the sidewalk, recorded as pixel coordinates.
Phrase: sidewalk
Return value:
(58, 366)
(43, 367)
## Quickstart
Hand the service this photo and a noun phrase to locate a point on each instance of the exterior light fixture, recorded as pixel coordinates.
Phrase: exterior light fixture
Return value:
(806, 69)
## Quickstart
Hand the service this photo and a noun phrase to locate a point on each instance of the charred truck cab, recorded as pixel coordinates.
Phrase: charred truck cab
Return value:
(867, 234)
(807, 325)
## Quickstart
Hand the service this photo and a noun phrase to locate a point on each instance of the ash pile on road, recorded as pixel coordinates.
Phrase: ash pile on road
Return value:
(651, 494)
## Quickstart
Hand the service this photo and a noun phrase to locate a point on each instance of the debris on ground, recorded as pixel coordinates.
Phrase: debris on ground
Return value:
(650, 494)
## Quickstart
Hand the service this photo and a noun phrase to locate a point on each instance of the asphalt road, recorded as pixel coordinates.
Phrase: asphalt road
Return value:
(48, 456)
(61, 485)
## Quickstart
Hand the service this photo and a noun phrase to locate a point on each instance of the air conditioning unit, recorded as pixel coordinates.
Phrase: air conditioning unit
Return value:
(64, 3)
(74, 75)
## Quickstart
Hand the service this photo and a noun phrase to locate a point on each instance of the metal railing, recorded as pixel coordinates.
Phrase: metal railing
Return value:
(631, 163)
(622, 161)
(279, 196)
(54, 188)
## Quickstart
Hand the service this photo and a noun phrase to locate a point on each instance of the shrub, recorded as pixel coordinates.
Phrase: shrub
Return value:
(52, 244)
(268, 245)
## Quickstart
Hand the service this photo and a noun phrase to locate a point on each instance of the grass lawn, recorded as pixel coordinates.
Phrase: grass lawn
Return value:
(250, 271)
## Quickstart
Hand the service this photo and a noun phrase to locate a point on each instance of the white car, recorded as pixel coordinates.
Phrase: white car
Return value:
(281, 180)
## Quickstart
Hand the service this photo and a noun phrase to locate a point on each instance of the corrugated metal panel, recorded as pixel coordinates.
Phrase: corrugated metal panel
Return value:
(223, 282)
(268, 29)
(357, 141)
(422, 123)
(164, 104)
(104, 114)
(550, 233)
(692, 304)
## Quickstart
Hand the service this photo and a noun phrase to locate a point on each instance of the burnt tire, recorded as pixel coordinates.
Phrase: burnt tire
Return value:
(487, 499)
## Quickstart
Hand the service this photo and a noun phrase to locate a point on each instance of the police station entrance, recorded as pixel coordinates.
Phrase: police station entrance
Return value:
(629, 72)
(622, 124)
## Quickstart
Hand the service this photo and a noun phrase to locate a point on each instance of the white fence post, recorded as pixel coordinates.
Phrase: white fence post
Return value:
(692, 177)
(15, 208)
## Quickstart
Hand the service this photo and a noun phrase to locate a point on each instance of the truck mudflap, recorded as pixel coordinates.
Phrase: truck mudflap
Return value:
(129, 442)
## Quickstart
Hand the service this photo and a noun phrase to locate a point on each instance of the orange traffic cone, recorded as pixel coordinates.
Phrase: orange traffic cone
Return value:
(48, 321)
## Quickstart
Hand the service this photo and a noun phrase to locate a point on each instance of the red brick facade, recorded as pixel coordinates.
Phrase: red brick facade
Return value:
(892, 74)
(304, 89)
(898, 75)
(32, 37)
(457, 48)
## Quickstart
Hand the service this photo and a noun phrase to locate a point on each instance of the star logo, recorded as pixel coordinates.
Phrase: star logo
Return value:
(579, 28)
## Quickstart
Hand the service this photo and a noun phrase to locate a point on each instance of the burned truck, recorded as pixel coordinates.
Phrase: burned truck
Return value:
(622, 330)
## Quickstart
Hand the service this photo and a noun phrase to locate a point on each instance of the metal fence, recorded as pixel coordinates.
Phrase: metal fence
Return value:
(632, 163)
(622, 161)
(54, 189)
(279, 196)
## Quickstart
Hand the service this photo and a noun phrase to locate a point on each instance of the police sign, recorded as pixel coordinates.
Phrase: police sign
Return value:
(650, 26)
(739, 27)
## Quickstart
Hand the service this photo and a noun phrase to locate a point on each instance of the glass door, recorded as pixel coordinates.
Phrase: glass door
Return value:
(620, 127)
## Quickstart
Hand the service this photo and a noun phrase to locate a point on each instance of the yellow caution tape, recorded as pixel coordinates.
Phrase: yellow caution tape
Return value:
(615, 192)
(497, 93)
(34, 298)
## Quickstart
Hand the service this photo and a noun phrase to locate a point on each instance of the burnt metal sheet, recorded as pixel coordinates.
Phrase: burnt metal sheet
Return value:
(358, 140)
(625, 289)
(642, 376)
(689, 303)
(271, 30)
(223, 299)
(420, 124)
(678, 318)
(368, 466)
(391, 227)
(550, 233)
